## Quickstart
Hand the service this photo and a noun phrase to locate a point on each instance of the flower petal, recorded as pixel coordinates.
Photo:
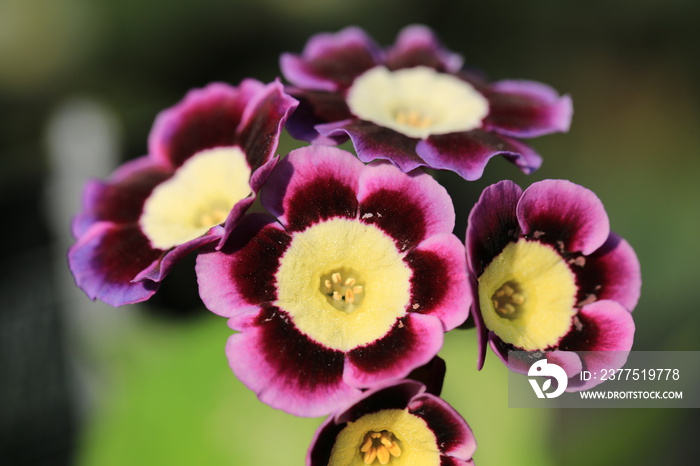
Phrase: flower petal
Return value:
(319, 452)
(526, 109)
(412, 342)
(311, 184)
(316, 108)
(417, 45)
(105, 260)
(331, 61)
(241, 277)
(408, 208)
(611, 272)
(604, 326)
(439, 284)
(568, 215)
(287, 370)
(467, 153)
(492, 224)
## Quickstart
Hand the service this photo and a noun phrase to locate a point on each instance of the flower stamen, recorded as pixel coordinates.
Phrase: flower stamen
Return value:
(412, 117)
(380, 446)
(341, 289)
(508, 299)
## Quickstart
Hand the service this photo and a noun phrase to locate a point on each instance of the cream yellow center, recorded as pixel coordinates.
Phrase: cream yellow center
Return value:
(343, 283)
(527, 295)
(390, 436)
(199, 196)
(417, 102)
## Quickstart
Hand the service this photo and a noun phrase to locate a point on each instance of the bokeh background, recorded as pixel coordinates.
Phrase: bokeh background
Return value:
(80, 84)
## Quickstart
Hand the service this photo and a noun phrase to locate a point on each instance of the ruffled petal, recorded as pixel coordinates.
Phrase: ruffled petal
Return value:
(611, 272)
(408, 208)
(120, 199)
(372, 142)
(311, 184)
(331, 61)
(107, 257)
(241, 278)
(526, 109)
(565, 215)
(439, 283)
(492, 224)
(204, 119)
(417, 45)
(286, 369)
(467, 153)
(412, 342)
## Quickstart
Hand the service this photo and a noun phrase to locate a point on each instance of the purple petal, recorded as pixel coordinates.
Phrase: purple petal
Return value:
(107, 257)
(330, 61)
(408, 208)
(316, 108)
(451, 461)
(417, 45)
(262, 123)
(319, 452)
(432, 375)
(453, 434)
(385, 395)
(311, 184)
(603, 326)
(204, 119)
(439, 284)
(526, 109)
(492, 224)
(412, 342)
(241, 277)
(372, 142)
(266, 357)
(120, 199)
(520, 361)
(564, 214)
(467, 153)
(611, 272)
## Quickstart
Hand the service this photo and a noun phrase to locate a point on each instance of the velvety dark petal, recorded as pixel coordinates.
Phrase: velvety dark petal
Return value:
(451, 461)
(331, 61)
(385, 395)
(467, 153)
(286, 369)
(526, 109)
(416, 45)
(453, 434)
(241, 276)
(374, 142)
(439, 283)
(316, 108)
(408, 208)
(311, 184)
(492, 224)
(120, 199)
(565, 215)
(262, 123)
(412, 342)
(432, 375)
(319, 452)
(107, 257)
(204, 119)
(602, 326)
(611, 272)
(482, 333)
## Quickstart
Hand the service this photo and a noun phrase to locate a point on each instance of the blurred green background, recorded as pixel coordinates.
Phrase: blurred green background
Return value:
(80, 84)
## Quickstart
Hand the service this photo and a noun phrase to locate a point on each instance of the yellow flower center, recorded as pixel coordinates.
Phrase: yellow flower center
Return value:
(527, 295)
(343, 283)
(199, 196)
(390, 436)
(417, 102)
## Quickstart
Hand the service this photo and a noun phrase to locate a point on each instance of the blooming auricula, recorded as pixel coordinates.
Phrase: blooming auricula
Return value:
(351, 283)
(414, 105)
(208, 157)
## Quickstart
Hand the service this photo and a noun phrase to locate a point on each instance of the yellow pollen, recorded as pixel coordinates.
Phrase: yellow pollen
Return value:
(380, 446)
(413, 118)
(508, 299)
(341, 289)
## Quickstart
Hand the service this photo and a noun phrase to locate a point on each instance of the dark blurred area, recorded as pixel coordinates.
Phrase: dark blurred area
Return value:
(82, 80)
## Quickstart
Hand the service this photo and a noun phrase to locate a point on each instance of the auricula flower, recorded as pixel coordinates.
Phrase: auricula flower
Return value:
(353, 283)
(395, 424)
(551, 277)
(412, 104)
(208, 157)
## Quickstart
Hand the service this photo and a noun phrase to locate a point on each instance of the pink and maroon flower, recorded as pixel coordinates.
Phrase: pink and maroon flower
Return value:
(550, 277)
(412, 104)
(353, 283)
(399, 423)
(208, 157)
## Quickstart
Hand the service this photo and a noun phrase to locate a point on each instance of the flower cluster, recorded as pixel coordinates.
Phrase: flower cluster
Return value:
(340, 293)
